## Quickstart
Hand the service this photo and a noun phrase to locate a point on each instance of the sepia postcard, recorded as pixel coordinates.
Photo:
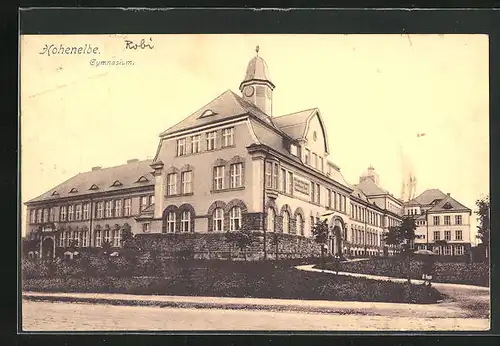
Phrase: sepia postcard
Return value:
(254, 182)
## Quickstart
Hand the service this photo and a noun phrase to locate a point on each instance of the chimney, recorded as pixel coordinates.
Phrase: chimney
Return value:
(448, 194)
(96, 168)
(132, 160)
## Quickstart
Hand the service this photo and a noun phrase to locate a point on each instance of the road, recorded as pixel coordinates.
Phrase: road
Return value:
(58, 316)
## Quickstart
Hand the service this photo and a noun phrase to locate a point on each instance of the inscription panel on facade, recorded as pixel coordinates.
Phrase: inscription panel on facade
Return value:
(301, 186)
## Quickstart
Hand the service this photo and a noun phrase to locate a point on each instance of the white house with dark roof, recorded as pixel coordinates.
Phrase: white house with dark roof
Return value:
(443, 223)
(230, 164)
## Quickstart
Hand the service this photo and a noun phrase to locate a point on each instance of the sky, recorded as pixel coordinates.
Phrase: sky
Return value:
(375, 93)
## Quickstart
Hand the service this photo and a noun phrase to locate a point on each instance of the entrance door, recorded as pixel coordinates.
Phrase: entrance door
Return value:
(48, 248)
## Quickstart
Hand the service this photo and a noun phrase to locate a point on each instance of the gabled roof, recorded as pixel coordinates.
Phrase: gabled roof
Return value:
(358, 193)
(226, 105)
(370, 188)
(428, 196)
(103, 178)
(449, 204)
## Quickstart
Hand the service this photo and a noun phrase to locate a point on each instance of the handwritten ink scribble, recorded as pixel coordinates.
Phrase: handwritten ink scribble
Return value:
(64, 86)
(141, 45)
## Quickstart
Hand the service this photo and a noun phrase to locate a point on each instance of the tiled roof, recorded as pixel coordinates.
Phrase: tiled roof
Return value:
(358, 193)
(449, 204)
(226, 105)
(129, 175)
(428, 196)
(294, 124)
(369, 187)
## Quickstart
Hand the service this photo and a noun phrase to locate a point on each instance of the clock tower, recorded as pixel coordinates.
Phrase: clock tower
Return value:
(257, 87)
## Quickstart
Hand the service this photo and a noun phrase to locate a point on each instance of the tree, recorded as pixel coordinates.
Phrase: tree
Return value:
(483, 229)
(128, 241)
(275, 240)
(320, 232)
(106, 247)
(403, 236)
(241, 238)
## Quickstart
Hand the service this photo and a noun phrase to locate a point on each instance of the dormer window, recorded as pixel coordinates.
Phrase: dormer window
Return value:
(73, 190)
(55, 193)
(142, 179)
(207, 113)
(293, 150)
(94, 187)
(116, 183)
(447, 205)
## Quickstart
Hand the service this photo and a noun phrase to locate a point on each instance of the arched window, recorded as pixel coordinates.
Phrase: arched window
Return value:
(299, 223)
(171, 222)
(186, 221)
(234, 219)
(286, 222)
(270, 219)
(218, 219)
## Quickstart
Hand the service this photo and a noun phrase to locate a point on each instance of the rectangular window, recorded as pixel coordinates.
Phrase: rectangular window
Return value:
(458, 219)
(63, 213)
(71, 213)
(52, 214)
(307, 155)
(329, 193)
(236, 172)
(459, 250)
(275, 176)
(98, 238)
(447, 250)
(186, 183)
(62, 239)
(78, 212)
(196, 144)
(85, 240)
(315, 160)
(118, 207)
(143, 203)
(218, 219)
(128, 206)
(86, 211)
(151, 199)
(447, 220)
(32, 216)
(218, 177)
(181, 147)
(313, 193)
(211, 139)
(171, 184)
(269, 174)
(436, 235)
(344, 204)
(283, 180)
(321, 164)
(293, 149)
(290, 183)
(186, 221)
(318, 194)
(116, 238)
(447, 235)
(109, 209)
(171, 222)
(100, 210)
(228, 137)
(458, 235)
(45, 215)
(436, 220)
(335, 204)
(145, 227)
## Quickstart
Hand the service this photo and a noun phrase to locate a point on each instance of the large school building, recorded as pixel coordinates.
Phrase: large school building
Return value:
(231, 164)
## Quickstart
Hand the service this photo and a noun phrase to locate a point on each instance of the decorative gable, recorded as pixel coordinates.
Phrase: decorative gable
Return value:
(73, 190)
(447, 205)
(116, 183)
(94, 187)
(142, 179)
(207, 113)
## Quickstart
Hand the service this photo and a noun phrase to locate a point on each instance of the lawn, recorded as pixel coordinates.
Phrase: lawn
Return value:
(448, 272)
(239, 279)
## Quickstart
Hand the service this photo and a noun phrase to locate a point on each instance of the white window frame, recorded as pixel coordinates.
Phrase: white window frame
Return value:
(438, 218)
(85, 212)
(218, 220)
(269, 174)
(62, 239)
(85, 242)
(100, 210)
(458, 232)
(181, 147)
(236, 170)
(294, 150)
(284, 183)
(196, 144)
(108, 209)
(211, 140)
(447, 235)
(116, 237)
(458, 219)
(52, 214)
(439, 235)
(144, 202)
(447, 220)
(171, 184)
(78, 212)
(289, 186)
(447, 250)
(275, 175)
(71, 213)
(107, 235)
(228, 137)
(127, 209)
(64, 213)
(186, 221)
(171, 222)
(219, 177)
(459, 252)
(186, 181)
(235, 218)
(98, 238)
(145, 227)
(118, 207)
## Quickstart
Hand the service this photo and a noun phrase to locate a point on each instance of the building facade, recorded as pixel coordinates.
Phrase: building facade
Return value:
(232, 164)
(443, 223)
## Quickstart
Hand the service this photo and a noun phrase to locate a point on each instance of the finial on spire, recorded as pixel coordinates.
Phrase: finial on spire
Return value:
(257, 50)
